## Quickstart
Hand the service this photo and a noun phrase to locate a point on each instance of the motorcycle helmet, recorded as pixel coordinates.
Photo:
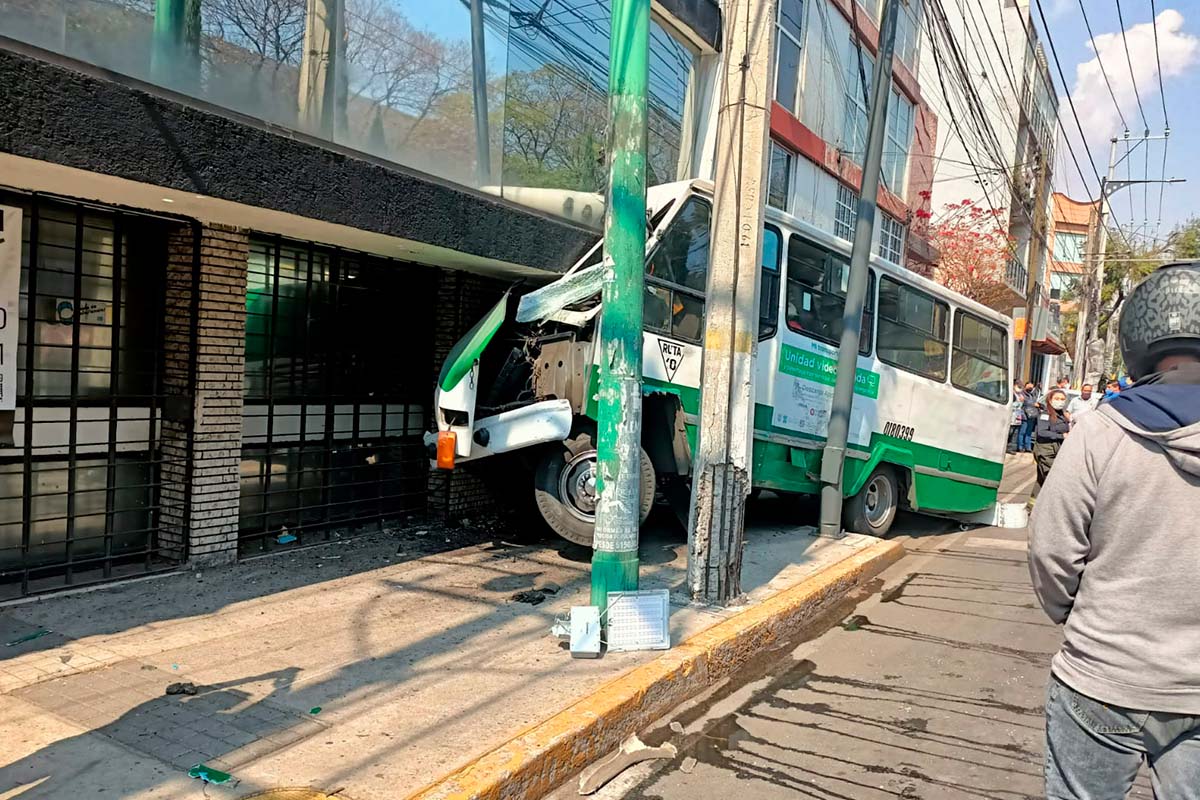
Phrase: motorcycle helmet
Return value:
(1161, 317)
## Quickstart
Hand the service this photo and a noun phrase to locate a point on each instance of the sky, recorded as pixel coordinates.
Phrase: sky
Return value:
(1178, 27)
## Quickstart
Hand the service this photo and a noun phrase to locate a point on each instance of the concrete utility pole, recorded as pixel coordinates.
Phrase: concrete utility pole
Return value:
(721, 478)
(323, 79)
(483, 142)
(1089, 307)
(834, 455)
(1036, 259)
(619, 426)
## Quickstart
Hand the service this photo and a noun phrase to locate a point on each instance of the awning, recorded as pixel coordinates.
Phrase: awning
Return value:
(1050, 346)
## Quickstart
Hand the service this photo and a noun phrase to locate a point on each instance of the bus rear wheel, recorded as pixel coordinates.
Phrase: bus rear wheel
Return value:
(564, 485)
(873, 510)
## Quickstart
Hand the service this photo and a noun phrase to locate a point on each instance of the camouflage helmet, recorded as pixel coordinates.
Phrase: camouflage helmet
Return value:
(1161, 317)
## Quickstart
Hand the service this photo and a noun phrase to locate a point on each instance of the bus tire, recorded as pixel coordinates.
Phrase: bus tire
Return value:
(873, 510)
(564, 487)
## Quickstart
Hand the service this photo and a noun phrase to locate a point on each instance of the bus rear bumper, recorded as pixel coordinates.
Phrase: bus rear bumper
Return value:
(516, 429)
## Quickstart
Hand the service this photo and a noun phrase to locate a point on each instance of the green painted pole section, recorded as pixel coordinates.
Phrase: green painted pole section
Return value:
(175, 50)
(618, 443)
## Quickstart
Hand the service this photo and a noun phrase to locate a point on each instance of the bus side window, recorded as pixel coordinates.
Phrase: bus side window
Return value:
(980, 357)
(816, 294)
(677, 274)
(768, 297)
(913, 330)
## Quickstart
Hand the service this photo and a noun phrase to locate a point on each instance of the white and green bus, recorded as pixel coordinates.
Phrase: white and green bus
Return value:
(930, 419)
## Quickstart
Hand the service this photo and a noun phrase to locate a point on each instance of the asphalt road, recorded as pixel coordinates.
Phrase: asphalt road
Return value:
(930, 687)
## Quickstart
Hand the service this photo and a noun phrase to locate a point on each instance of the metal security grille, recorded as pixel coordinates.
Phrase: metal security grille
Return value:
(79, 489)
(339, 350)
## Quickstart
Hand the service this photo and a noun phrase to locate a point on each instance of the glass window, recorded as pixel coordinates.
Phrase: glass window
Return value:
(980, 357)
(899, 139)
(871, 7)
(858, 88)
(768, 293)
(845, 213)
(816, 294)
(1069, 247)
(677, 274)
(787, 63)
(891, 239)
(908, 31)
(779, 180)
(912, 330)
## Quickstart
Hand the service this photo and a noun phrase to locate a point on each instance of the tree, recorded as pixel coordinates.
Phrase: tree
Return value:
(975, 250)
(1185, 239)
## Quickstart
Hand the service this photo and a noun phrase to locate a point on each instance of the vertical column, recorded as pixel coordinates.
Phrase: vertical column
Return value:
(204, 371)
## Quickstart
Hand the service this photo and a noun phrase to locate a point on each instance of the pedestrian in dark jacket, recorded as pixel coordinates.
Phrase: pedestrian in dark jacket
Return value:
(1113, 553)
(1053, 425)
(1029, 410)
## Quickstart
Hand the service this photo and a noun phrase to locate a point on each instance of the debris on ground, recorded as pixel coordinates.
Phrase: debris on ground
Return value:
(549, 587)
(188, 688)
(209, 774)
(855, 623)
(29, 637)
(676, 726)
(688, 765)
(315, 710)
(284, 537)
(530, 596)
(632, 751)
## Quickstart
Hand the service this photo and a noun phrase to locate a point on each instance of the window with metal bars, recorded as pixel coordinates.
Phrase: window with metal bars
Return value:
(79, 488)
(339, 349)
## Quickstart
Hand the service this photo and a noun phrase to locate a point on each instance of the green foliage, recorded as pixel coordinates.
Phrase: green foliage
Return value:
(1186, 239)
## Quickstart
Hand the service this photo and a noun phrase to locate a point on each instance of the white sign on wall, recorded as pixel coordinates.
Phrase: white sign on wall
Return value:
(10, 299)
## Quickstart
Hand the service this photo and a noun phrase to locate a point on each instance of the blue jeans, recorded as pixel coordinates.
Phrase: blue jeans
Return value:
(1094, 750)
(1025, 437)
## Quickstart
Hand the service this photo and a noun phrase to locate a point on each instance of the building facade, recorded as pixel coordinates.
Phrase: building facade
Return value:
(1072, 225)
(244, 235)
(825, 55)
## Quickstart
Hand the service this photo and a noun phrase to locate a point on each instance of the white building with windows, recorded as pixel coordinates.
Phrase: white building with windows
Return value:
(826, 56)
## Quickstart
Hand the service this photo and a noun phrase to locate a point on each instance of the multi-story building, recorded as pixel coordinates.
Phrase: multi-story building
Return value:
(1071, 224)
(991, 81)
(825, 55)
(243, 234)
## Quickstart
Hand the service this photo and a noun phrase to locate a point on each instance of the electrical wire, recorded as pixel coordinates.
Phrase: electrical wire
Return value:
(1099, 61)
(1129, 61)
(1162, 94)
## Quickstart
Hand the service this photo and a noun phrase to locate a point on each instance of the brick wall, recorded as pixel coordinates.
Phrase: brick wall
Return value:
(203, 375)
(462, 299)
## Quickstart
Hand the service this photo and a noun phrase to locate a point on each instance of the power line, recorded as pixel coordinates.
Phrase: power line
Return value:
(1100, 61)
(1129, 61)
(1162, 94)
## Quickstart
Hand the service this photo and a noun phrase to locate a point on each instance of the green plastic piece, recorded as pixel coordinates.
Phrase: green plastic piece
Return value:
(29, 637)
(315, 710)
(209, 775)
(469, 348)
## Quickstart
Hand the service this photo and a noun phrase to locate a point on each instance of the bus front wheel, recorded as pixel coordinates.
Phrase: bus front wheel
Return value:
(873, 510)
(564, 484)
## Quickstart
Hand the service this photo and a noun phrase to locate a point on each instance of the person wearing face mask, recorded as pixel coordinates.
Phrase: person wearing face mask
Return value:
(1082, 404)
(1053, 425)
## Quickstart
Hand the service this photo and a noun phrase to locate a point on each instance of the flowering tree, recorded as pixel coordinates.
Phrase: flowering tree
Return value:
(975, 249)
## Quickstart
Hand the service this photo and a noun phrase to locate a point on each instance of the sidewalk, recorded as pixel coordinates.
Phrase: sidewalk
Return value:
(342, 667)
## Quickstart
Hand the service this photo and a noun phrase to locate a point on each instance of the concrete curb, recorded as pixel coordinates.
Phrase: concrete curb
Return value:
(549, 753)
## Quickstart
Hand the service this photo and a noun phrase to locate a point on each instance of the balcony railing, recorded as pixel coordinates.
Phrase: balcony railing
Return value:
(1017, 276)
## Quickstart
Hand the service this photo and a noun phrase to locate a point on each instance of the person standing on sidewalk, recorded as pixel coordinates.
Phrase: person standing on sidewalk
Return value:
(1082, 404)
(1113, 554)
(1030, 412)
(1053, 425)
(1018, 417)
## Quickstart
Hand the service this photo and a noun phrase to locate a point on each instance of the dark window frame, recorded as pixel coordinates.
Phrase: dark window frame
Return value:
(955, 348)
(671, 287)
(867, 336)
(946, 343)
(768, 301)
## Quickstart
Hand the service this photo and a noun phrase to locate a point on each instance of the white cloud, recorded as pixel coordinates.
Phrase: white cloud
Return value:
(1178, 51)
(1061, 8)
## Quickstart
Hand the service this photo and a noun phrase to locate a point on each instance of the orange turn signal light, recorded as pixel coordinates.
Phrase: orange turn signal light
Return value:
(446, 442)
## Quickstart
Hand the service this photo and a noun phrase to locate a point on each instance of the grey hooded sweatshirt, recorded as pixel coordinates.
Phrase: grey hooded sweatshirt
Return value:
(1115, 551)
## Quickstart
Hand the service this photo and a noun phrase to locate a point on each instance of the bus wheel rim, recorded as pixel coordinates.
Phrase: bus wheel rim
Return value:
(878, 500)
(577, 486)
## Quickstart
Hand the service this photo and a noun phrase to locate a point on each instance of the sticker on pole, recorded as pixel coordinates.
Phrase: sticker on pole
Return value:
(639, 620)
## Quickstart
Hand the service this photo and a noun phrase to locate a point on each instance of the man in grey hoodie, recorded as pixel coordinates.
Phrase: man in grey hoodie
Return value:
(1115, 559)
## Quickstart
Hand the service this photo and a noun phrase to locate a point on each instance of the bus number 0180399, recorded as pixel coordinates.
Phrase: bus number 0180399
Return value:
(898, 431)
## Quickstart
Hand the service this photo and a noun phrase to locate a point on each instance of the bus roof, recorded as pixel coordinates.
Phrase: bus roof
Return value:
(705, 187)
